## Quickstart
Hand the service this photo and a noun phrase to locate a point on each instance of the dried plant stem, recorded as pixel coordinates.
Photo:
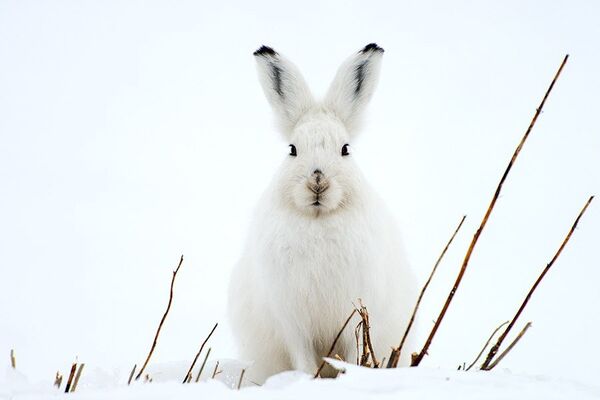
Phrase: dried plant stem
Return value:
(495, 347)
(215, 370)
(71, 375)
(485, 345)
(241, 379)
(510, 346)
(395, 355)
(13, 359)
(188, 376)
(330, 352)
(366, 338)
(419, 357)
(161, 321)
(131, 374)
(203, 364)
(77, 376)
(357, 339)
(58, 379)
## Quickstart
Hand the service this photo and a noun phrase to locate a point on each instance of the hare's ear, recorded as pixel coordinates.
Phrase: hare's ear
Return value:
(284, 87)
(354, 85)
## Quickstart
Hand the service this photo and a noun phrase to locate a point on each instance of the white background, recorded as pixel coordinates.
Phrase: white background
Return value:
(133, 132)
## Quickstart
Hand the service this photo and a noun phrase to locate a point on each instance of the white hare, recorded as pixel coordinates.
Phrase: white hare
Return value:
(321, 238)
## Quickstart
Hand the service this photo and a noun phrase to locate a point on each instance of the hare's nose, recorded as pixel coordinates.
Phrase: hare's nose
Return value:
(318, 175)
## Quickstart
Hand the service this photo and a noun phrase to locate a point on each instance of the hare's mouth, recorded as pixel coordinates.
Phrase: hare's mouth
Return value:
(316, 204)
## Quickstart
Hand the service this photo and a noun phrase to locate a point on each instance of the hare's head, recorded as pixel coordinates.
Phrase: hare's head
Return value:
(319, 176)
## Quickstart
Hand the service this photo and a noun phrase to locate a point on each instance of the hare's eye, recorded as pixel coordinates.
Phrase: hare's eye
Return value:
(293, 150)
(345, 151)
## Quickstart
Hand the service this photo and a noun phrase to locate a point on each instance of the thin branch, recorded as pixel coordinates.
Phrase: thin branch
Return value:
(395, 355)
(510, 346)
(161, 321)
(241, 379)
(58, 379)
(366, 335)
(71, 375)
(419, 357)
(494, 349)
(13, 359)
(394, 358)
(357, 338)
(131, 374)
(215, 370)
(77, 376)
(203, 364)
(486, 345)
(334, 343)
(188, 376)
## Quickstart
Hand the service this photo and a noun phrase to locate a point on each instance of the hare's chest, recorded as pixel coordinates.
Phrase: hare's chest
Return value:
(321, 261)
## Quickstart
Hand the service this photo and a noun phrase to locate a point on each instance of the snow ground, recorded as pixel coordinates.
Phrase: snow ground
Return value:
(356, 383)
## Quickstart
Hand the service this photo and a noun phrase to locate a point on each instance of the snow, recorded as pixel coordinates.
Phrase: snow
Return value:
(356, 383)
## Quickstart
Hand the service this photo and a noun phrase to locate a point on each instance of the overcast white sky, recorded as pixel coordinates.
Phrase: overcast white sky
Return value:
(132, 132)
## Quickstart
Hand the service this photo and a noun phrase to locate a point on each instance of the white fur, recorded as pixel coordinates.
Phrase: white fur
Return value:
(304, 265)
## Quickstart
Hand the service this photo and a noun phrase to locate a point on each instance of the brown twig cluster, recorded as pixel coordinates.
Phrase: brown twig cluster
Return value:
(418, 357)
(488, 363)
(363, 329)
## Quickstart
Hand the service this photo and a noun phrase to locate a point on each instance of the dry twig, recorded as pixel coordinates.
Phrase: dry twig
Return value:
(188, 376)
(131, 374)
(485, 346)
(215, 370)
(510, 346)
(241, 379)
(161, 321)
(334, 343)
(58, 379)
(71, 375)
(395, 355)
(357, 339)
(366, 338)
(419, 357)
(77, 376)
(13, 359)
(494, 349)
(203, 364)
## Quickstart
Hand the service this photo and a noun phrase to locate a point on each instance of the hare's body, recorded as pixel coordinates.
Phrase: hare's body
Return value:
(321, 239)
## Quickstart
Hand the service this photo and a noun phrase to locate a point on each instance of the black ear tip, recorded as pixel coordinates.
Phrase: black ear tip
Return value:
(372, 47)
(265, 51)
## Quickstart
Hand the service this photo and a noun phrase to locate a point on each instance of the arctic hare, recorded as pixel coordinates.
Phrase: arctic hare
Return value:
(321, 238)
